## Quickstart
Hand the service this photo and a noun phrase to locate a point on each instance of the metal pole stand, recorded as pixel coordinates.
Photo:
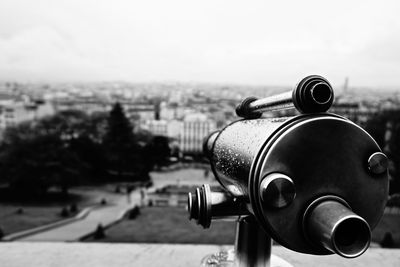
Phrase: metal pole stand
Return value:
(252, 249)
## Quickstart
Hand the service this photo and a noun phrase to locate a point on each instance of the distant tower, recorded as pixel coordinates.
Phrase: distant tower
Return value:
(346, 85)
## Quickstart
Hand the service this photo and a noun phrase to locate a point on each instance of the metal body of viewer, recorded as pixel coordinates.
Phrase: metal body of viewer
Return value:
(316, 183)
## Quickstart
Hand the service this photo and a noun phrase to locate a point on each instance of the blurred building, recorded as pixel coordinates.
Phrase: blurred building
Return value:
(88, 105)
(195, 129)
(171, 111)
(139, 110)
(357, 112)
(20, 108)
(188, 134)
(156, 127)
(91, 104)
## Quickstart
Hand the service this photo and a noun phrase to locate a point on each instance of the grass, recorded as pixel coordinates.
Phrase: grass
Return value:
(47, 209)
(32, 216)
(168, 225)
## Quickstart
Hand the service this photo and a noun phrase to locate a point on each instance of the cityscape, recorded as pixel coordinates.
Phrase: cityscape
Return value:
(185, 113)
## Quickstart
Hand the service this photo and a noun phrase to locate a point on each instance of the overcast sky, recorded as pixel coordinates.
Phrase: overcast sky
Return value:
(256, 42)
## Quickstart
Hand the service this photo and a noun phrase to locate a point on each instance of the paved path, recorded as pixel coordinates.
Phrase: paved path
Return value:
(105, 215)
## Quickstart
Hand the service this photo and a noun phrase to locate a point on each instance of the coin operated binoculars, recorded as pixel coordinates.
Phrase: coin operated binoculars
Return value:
(316, 183)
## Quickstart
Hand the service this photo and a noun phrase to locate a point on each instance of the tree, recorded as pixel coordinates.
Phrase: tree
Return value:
(32, 166)
(71, 148)
(119, 144)
(119, 129)
(385, 128)
(82, 135)
(66, 124)
(158, 151)
(57, 151)
(92, 158)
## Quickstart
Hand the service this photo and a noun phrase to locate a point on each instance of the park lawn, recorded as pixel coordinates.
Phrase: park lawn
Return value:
(33, 216)
(45, 210)
(168, 225)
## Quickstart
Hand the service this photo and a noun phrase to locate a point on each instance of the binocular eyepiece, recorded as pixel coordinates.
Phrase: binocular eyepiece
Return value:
(330, 222)
(316, 183)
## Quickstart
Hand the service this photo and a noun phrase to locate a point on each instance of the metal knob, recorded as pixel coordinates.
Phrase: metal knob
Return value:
(378, 163)
(277, 190)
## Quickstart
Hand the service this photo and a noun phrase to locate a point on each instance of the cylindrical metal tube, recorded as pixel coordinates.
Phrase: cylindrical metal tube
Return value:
(271, 103)
(332, 224)
(233, 150)
(225, 206)
(205, 205)
(312, 94)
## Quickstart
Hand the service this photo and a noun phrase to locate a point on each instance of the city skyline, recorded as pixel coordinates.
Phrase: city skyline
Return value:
(257, 43)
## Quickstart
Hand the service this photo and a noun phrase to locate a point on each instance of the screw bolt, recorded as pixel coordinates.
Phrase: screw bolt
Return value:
(277, 190)
(378, 163)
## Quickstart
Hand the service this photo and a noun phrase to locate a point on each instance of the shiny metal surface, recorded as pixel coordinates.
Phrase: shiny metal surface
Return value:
(330, 222)
(196, 210)
(276, 102)
(277, 190)
(252, 244)
(190, 206)
(235, 149)
(243, 110)
(321, 93)
(312, 94)
(225, 206)
(209, 144)
(378, 163)
(205, 206)
(323, 155)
